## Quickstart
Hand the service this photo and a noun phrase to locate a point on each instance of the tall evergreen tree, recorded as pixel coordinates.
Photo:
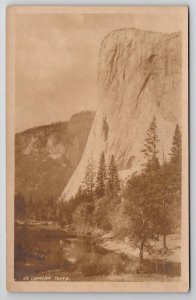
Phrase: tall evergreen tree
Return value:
(144, 195)
(164, 223)
(89, 178)
(175, 162)
(175, 173)
(113, 183)
(151, 147)
(153, 184)
(171, 186)
(176, 150)
(101, 177)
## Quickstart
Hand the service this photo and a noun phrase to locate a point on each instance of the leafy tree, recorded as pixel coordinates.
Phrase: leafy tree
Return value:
(113, 183)
(82, 216)
(101, 177)
(142, 211)
(118, 220)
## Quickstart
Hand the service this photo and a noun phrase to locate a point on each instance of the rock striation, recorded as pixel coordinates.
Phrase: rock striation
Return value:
(139, 76)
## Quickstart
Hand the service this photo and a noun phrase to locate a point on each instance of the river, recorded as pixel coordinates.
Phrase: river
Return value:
(54, 254)
(39, 250)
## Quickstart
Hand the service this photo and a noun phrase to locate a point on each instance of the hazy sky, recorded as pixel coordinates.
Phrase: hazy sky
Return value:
(56, 61)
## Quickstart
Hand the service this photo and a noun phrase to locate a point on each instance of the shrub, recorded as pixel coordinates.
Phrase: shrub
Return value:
(119, 222)
(97, 264)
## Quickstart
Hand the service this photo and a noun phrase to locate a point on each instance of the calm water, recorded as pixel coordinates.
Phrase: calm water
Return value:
(39, 252)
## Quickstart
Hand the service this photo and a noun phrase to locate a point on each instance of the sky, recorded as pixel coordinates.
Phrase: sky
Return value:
(56, 58)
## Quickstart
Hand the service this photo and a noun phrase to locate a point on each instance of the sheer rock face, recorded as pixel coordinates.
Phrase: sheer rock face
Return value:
(46, 156)
(139, 76)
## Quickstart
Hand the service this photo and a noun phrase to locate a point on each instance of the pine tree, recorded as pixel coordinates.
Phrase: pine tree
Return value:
(175, 174)
(175, 162)
(171, 180)
(101, 177)
(176, 150)
(152, 170)
(164, 222)
(150, 147)
(113, 183)
(89, 178)
(144, 195)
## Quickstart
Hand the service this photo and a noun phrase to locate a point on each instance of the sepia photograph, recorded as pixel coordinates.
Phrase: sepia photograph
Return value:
(97, 148)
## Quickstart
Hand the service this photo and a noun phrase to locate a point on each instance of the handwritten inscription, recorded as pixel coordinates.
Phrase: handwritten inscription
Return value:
(46, 278)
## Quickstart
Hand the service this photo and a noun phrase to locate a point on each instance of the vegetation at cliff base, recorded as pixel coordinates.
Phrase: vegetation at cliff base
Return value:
(142, 209)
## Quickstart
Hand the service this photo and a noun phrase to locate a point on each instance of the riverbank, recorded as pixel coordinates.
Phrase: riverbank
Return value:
(157, 252)
(69, 254)
(109, 241)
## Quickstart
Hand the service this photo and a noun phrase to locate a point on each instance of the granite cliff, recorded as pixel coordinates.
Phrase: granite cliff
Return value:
(139, 76)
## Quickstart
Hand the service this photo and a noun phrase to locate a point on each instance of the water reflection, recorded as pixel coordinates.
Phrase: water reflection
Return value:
(38, 250)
